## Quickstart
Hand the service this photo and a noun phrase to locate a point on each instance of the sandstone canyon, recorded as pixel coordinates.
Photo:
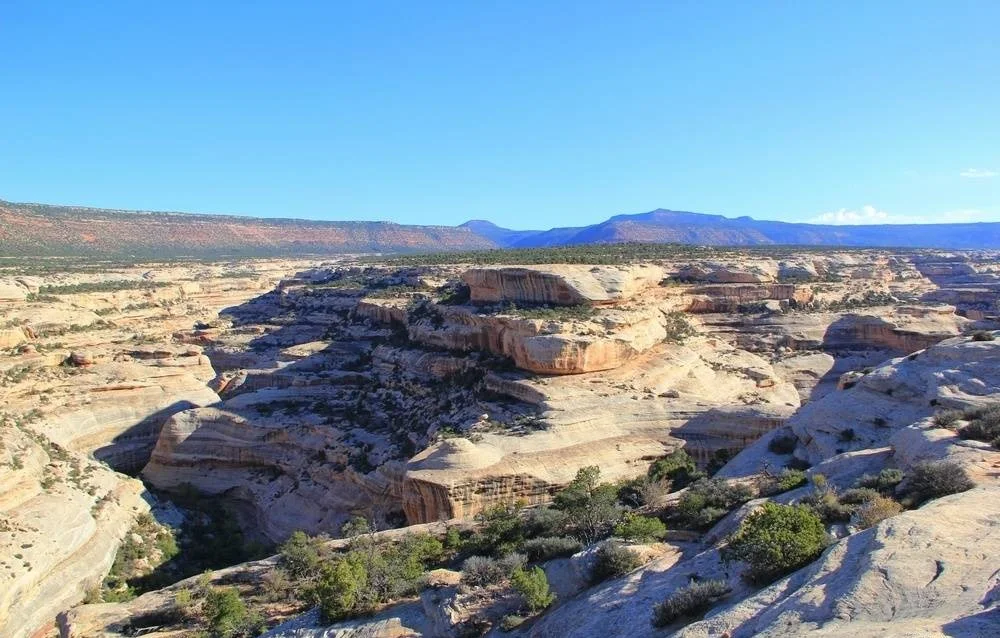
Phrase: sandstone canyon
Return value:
(151, 408)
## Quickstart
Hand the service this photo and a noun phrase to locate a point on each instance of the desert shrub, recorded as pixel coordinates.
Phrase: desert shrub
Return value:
(678, 467)
(886, 480)
(452, 539)
(591, 507)
(708, 500)
(790, 479)
(690, 601)
(501, 530)
(371, 573)
(511, 622)
(947, 418)
(533, 586)
(612, 560)
(545, 522)
(547, 547)
(982, 335)
(299, 555)
(634, 527)
(782, 444)
(228, 616)
(183, 600)
(847, 435)
(858, 495)
(775, 540)
(484, 571)
(875, 510)
(934, 479)
(984, 425)
(824, 502)
(677, 328)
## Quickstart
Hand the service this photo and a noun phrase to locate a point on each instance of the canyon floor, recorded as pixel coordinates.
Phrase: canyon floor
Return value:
(166, 428)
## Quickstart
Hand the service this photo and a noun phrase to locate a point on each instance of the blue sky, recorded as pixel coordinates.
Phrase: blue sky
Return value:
(530, 114)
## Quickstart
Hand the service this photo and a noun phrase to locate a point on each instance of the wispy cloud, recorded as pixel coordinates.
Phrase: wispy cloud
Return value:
(865, 215)
(872, 215)
(979, 173)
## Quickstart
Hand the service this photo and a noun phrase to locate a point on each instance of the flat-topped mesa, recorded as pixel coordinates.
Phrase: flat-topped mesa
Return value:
(561, 285)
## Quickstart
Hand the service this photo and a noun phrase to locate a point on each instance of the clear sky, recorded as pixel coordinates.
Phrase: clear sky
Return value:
(530, 114)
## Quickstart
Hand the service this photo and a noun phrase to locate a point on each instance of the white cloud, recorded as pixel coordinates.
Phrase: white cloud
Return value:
(979, 173)
(866, 215)
(871, 215)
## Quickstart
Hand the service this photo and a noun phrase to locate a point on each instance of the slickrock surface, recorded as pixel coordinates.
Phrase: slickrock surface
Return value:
(87, 387)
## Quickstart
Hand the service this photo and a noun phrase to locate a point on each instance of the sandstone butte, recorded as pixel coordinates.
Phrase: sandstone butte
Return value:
(300, 394)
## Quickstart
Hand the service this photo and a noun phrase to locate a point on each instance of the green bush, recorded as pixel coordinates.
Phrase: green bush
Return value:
(790, 479)
(371, 573)
(934, 479)
(548, 547)
(299, 555)
(677, 328)
(775, 540)
(982, 335)
(228, 616)
(501, 530)
(885, 482)
(533, 586)
(612, 560)
(591, 507)
(677, 467)
(690, 601)
(636, 528)
(545, 522)
(708, 500)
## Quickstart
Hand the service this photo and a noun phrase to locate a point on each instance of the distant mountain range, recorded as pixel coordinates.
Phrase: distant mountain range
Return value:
(668, 226)
(46, 230)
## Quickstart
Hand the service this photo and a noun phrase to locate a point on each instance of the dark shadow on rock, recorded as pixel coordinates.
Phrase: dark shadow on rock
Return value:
(129, 451)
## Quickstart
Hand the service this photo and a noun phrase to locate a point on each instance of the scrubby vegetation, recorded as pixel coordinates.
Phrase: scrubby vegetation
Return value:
(591, 507)
(982, 423)
(228, 616)
(533, 586)
(370, 572)
(875, 509)
(677, 467)
(636, 528)
(147, 545)
(102, 286)
(776, 540)
(934, 479)
(612, 560)
(574, 312)
(708, 500)
(690, 602)
(678, 328)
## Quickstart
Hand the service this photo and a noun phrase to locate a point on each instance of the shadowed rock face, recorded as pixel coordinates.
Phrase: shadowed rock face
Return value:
(560, 285)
